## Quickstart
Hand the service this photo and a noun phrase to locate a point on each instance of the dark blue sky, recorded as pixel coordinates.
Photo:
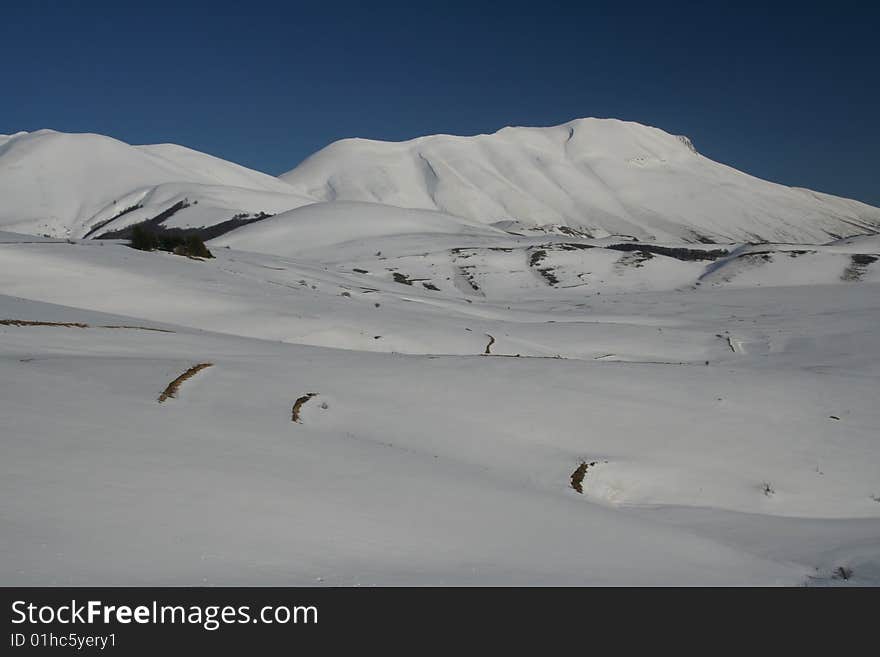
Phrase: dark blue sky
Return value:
(788, 92)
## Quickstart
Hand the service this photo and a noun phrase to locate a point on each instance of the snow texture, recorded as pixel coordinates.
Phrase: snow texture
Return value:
(393, 381)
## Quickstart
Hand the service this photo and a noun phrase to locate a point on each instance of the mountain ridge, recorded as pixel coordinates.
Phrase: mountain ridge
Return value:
(63, 184)
(601, 177)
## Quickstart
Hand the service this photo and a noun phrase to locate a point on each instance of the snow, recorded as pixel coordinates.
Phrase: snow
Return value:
(65, 184)
(602, 175)
(346, 224)
(723, 396)
(431, 463)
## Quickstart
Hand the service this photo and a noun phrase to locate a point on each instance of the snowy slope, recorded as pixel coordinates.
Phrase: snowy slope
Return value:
(451, 256)
(66, 184)
(730, 431)
(719, 400)
(346, 224)
(605, 177)
(602, 175)
(104, 485)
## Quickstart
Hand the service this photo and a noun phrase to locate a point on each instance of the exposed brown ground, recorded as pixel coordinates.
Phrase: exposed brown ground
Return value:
(26, 322)
(298, 404)
(577, 477)
(172, 388)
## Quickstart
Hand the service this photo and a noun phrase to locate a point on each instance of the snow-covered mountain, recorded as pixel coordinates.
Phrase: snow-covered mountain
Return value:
(358, 393)
(74, 184)
(600, 175)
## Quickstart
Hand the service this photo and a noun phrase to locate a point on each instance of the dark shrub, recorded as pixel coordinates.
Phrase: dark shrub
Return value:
(171, 242)
(196, 247)
(143, 239)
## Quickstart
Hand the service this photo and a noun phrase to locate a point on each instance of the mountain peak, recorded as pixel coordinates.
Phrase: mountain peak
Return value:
(602, 176)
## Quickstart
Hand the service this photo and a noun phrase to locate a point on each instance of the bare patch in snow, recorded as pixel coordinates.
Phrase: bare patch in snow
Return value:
(172, 388)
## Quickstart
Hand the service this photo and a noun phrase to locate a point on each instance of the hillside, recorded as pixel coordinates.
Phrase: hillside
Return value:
(600, 178)
(69, 185)
(725, 433)
(604, 176)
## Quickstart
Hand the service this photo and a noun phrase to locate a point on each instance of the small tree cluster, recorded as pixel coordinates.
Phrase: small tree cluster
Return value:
(195, 247)
(190, 244)
(143, 239)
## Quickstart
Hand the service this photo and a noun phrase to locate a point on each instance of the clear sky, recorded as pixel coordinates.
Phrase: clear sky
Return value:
(785, 91)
